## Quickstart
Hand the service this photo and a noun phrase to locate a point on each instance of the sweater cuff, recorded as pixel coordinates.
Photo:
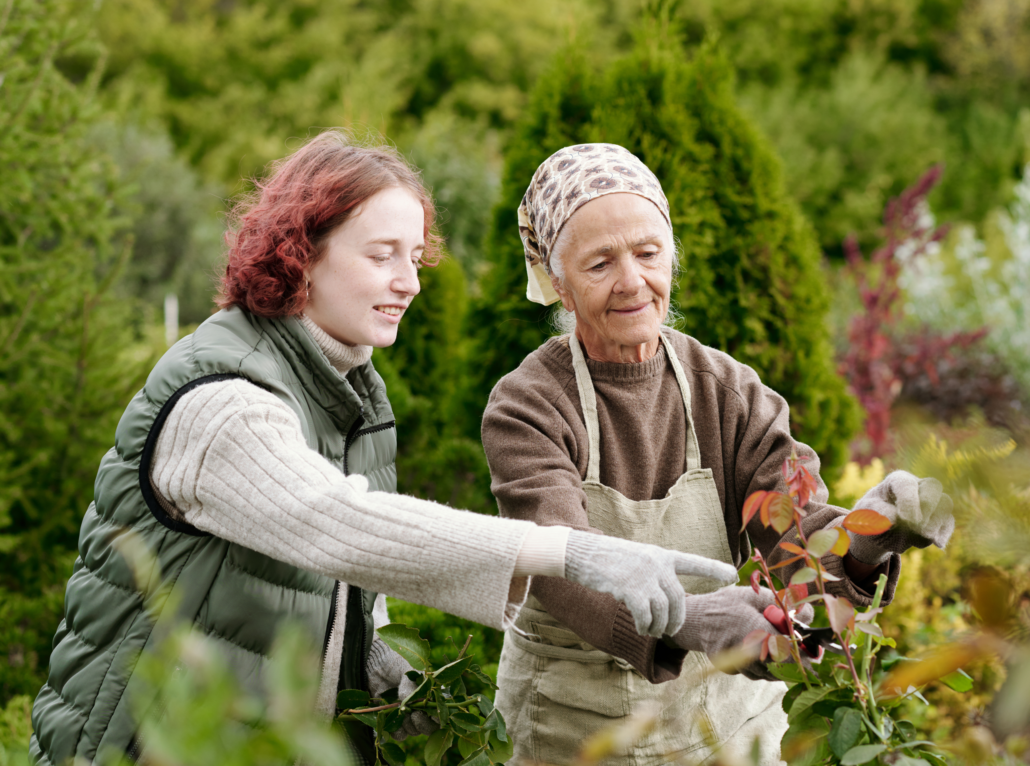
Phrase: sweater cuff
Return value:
(543, 552)
(655, 661)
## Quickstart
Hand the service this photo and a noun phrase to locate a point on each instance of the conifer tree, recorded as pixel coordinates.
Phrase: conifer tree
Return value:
(751, 283)
(66, 350)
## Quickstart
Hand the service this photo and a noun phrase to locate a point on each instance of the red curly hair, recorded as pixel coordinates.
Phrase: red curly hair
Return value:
(277, 233)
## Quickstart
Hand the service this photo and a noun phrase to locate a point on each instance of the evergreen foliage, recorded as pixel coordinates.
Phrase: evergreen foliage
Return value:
(751, 282)
(66, 363)
(424, 371)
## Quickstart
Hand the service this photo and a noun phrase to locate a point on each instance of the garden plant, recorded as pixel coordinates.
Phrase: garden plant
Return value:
(839, 708)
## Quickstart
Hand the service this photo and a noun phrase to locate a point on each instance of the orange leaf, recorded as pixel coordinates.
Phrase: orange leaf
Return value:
(751, 506)
(866, 522)
(793, 548)
(788, 562)
(842, 544)
(821, 542)
(778, 512)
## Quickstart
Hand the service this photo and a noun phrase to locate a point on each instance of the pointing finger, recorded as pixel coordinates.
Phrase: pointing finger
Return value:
(699, 566)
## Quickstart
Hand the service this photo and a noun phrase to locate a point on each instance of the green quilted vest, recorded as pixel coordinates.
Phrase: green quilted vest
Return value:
(234, 595)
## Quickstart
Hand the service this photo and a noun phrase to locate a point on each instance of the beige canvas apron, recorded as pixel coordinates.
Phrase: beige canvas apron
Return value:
(556, 690)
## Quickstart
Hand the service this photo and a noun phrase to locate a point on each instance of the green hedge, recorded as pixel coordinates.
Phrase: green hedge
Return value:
(751, 283)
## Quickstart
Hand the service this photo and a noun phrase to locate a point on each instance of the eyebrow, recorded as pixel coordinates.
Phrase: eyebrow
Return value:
(648, 239)
(390, 241)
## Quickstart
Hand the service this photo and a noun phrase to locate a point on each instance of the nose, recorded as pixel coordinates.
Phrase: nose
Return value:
(629, 279)
(405, 280)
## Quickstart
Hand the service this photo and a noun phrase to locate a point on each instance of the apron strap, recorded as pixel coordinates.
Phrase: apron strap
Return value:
(693, 451)
(588, 400)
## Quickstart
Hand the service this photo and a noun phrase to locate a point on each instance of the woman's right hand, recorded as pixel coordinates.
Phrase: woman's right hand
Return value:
(719, 621)
(642, 576)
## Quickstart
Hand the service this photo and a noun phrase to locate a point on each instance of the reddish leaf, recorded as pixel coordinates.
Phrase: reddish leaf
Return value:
(755, 580)
(793, 548)
(799, 592)
(840, 613)
(751, 506)
(778, 512)
(866, 522)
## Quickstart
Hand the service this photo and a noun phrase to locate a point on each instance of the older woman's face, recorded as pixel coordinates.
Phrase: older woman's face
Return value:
(616, 254)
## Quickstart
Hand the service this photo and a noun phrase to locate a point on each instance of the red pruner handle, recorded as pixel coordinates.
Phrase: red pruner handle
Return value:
(778, 619)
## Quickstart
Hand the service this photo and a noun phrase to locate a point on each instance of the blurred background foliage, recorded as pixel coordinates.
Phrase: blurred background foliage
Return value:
(778, 126)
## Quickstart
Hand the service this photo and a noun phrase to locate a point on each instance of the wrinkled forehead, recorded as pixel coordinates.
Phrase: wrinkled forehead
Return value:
(615, 222)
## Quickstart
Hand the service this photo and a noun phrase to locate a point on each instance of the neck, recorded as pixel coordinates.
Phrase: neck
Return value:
(605, 350)
(341, 356)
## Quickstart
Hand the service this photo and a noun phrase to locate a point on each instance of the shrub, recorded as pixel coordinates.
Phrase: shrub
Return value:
(751, 283)
(67, 360)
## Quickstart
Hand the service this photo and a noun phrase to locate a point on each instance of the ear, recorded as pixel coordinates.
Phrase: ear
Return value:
(565, 295)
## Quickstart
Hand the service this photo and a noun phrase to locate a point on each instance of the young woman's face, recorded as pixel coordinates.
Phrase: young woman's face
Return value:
(369, 273)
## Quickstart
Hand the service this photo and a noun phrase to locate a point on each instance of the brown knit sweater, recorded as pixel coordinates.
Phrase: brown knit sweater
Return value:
(536, 445)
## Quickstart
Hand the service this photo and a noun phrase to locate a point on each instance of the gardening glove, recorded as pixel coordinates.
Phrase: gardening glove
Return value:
(642, 576)
(416, 722)
(919, 511)
(716, 622)
(387, 669)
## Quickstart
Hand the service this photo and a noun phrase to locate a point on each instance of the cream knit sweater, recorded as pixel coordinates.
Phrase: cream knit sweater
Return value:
(232, 460)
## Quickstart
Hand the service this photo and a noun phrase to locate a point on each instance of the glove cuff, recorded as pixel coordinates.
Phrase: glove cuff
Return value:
(865, 550)
(579, 550)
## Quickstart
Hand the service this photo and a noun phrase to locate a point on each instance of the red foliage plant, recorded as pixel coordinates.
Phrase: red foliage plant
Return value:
(280, 231)
(878, 360)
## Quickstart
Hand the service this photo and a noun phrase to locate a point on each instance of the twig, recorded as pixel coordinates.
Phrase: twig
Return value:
(465, 647)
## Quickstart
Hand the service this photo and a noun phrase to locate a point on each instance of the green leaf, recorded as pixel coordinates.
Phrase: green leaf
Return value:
(466, 721)
(458, 690)
(477, 758)
(369, 719)
(467, 744)
(392, 752)
(805, 700)
(846, 729)
(792, 694)
(495, 721)
(960, 681)
(482, 677)
(907, 760)
(352, 698)
(437, 744)
(452, 672)
(420, 691)
(485, 705)
(787, 671)
(861, 754)
(803, 576)
(442, 711)
(407, 643)
(500, 750)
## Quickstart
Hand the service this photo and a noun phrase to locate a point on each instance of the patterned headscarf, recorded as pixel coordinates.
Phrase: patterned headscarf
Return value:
(563, 183)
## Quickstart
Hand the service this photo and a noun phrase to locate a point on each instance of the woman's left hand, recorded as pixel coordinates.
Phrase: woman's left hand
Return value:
(416, 722)
(919, 511)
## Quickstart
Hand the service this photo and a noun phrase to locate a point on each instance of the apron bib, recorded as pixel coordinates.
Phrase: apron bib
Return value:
(556, 690)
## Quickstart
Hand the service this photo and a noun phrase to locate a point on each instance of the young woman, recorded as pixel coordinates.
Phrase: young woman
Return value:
(257, 466)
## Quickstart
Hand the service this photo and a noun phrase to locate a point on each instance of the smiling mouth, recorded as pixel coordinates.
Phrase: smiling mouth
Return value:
(394, 311)
(632, 309)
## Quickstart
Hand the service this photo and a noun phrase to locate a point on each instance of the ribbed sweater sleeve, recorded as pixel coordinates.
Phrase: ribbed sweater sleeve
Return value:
(232, 459)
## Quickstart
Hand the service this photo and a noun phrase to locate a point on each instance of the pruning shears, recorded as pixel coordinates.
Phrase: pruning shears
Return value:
(814, 640)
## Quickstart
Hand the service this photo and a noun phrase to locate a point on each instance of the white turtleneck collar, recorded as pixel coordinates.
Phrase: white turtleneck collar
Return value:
(342, 357)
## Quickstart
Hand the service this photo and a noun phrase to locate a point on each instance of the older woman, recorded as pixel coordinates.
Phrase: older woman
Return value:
(632, 430)
(257, 466)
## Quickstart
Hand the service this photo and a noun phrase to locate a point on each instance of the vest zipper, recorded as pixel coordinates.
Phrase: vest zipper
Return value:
(352, 434)
(330, 627)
